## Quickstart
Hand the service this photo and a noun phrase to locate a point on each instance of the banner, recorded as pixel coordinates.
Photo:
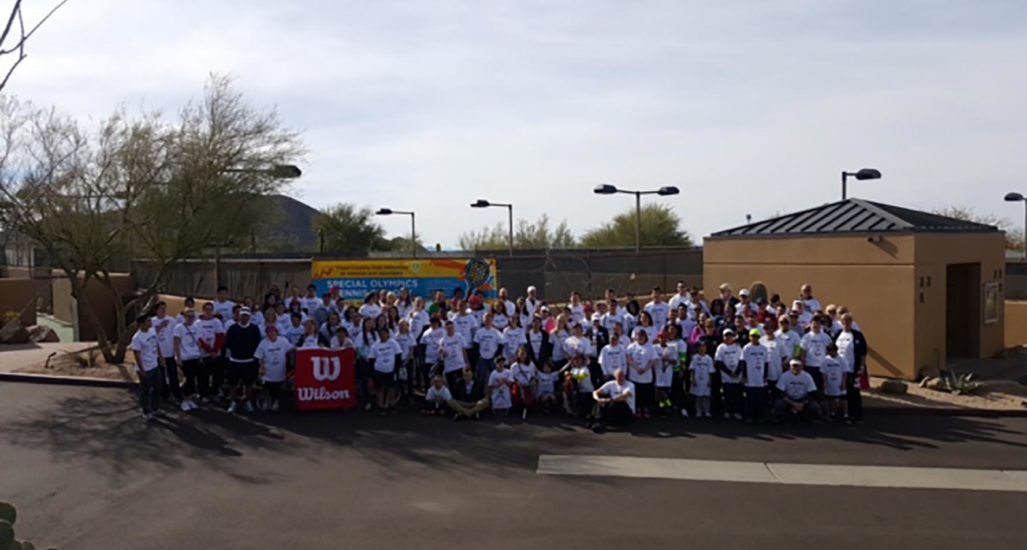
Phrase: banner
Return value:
(354, 279)
(326, 379)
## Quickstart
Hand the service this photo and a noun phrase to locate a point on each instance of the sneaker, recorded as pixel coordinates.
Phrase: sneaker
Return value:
(274, 406)
(232, 408)
(185, 406)
(367, 406)
(727, 416)
(738, 416)
(684, 413)
(524, 414)
(249, 407)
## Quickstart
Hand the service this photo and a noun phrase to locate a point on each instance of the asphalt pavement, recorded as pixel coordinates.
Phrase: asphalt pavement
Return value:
(87, 472)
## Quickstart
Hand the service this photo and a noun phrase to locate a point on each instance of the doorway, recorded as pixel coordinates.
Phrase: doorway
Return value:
(963, 310)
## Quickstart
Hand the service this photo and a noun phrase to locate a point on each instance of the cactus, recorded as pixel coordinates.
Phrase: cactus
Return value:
(6, 534)
(8, 512)
(8, 515)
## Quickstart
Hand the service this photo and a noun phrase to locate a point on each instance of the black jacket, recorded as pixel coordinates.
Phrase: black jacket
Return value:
(461, 393)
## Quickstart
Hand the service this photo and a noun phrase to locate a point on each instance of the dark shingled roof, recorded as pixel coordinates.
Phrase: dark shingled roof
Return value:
(855, 216)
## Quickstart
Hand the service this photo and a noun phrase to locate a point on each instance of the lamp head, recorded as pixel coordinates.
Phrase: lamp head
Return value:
(286, 171)
(868, 174)
(604, 189)
(384, 211)
(480, 203)
(668, 190)
(1014, 197)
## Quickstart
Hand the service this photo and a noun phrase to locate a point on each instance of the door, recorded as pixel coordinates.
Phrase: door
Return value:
(963, 310)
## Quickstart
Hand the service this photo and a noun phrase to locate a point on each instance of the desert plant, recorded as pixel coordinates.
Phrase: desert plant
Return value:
(8, 515)
(8, 317)
(961, 384)
(88, 358)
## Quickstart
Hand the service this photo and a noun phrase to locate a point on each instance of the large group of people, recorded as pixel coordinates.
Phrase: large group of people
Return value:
(607, 361)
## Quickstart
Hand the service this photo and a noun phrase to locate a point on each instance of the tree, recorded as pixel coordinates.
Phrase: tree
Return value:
(149, 187)
(527, 235)
(660, 227)
(14, 44)
(348, 228)
(1014, 237)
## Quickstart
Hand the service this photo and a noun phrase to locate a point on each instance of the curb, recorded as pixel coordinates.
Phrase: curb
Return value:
(64, 380)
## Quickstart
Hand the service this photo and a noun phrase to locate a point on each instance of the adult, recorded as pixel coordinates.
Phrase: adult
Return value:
(453, 352)
(385, 356)
(468, 397)
(798, 391)
(681, 298)
(508, 305)
(806, 295)
(852, 347)
(241, 341)
(222, 305)
(615, 401)
(531, 301)
(613, 357)
(148, 364)
(211, 333)
(642, 361)
(658, 309)
(188, 355)
(272, 355)
(814, 350)
(489, 341)
(164, 326)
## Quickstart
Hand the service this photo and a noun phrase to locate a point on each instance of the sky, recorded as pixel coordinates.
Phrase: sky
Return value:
(748, 106)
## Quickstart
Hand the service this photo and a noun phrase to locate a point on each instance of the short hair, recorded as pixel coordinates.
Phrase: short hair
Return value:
(142, 319)
(656, 289)
(160, 303)
(295, 315)
(449, 322)
(222, 288)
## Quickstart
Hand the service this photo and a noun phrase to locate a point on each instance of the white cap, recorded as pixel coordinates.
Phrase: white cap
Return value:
(743, 292)
(795, 363)
(532, 288)
(245, 311)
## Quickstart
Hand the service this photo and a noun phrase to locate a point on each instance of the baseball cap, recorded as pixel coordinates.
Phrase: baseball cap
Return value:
(743, 292)
(755, 332)
(245, 311)
(729, 332)
(795, 363)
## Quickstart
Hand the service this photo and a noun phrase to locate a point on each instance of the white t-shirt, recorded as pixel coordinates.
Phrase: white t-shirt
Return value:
(510, 307)
(524, 374)
(207, 331)
(500, 321)
(777, 355)
(811, 305)
(488, 340)
(846, 343)
(612, 389)
(535, 340)
(791, 341)
(659, 312)
(612, 319)
(335, 344)
(274, 356)
(370, 311)
(145, 344)
(311, 305)
(465, 326)
(501, 398)
(451, 349)
(558, 337)
(577, 314)
(309, 342)
(665, 368)
(513, 339)
(640, 356)
(431, 340)
(438, 394)
(756, 358)
(418, 320)
(575, 345)
(384, 355)
(187, 341)
(678, 300)
(406, 343)
(702, 375)
(547, 383)
(833, 371)
(650, 333)
(224, 308)
(815, 346)
(584, 379)
(612, 358)
(796, 386)
(730, 355)
(165, 328)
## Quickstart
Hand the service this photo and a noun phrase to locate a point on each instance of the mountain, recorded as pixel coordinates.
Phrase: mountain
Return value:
(288, 226)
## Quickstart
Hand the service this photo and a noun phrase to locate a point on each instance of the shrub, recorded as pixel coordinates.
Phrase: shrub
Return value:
(9, 515)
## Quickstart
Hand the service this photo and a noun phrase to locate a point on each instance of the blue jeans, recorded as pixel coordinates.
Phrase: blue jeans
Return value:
(150, 384)
(485, 367)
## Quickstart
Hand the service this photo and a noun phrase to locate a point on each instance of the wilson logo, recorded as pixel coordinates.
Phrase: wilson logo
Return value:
(321, 394)
(326, 369)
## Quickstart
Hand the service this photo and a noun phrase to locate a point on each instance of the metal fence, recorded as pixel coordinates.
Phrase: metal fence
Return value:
(556, 273)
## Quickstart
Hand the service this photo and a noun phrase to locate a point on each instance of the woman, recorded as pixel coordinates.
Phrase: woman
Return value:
(642, 361)
(538, 343)
(330, 327)
(405, 302)
(522, 313)
(370, 309)
(717, 312)
(645, 324)
(513, 340)
(417, 317)
(311, 336)
(365, 341)
(393, 318)
(341, 340)
(499, 318)
(558, 336)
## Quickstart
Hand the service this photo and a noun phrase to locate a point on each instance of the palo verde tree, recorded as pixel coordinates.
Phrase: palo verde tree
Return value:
(138, 187)
(660, 227)
(539, 235)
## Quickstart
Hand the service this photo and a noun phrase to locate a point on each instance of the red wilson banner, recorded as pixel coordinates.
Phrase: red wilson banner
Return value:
(326, 379)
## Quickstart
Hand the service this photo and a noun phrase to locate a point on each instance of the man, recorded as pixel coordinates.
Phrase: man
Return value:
(469, 399)
(508, 305)
(188, 355)
(756, 364)
(488, 340)
(681, 298)
(273, 356)
(321, 311)
(148, 366)
(222, 305)
(615, 401)
(386, 355)
(814, 350)
(241, 342)
(797, 394)
(465, 325)
(210, 334)
(164, 326)
(612, 357)
(806, 295)
(453, 352)
(438, 305)
(658, 309)
(852, 347)
(745, 302)
(532, 302)
(613, 316)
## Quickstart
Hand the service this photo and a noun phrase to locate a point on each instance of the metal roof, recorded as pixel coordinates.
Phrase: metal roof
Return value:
(855, 216)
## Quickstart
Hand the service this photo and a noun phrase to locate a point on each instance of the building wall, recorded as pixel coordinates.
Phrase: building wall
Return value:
(934, 252)
(99, 297)
(872, 278)
(1015, 323)
(19, 296)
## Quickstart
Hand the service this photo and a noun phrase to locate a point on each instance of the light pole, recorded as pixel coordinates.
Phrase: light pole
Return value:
(413, 228)
(278, 171)
(607, 189)
(1018, 197)
(863, 174)
(482, 203)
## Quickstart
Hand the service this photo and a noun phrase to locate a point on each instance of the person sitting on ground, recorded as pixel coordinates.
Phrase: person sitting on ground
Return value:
(798, 392)
(436, 398)
(468, 397)
(500, 383)
(615, 401)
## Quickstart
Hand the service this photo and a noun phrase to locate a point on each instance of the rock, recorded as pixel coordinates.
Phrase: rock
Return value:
(40, 333)
(935, 383)
(14, 333)
(894, 387)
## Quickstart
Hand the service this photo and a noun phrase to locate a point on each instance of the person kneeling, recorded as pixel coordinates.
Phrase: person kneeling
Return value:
(615, 401)
(797, 394)
(437, 398)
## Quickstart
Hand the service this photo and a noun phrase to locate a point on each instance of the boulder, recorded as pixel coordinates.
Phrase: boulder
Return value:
(935, 383)
(894, 387)
(13, 333)
(40, 333)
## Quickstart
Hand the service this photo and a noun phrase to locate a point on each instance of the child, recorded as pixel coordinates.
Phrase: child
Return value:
(272, 354)
(581, 380)
(667, 351)
(500, 381)
(525, 375)
(547, 386)
(727, 359)
(436, 397)
(702, 377)
(834, 372)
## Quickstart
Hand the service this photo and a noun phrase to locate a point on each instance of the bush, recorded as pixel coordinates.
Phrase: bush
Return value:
(961, 384)
(9, 515)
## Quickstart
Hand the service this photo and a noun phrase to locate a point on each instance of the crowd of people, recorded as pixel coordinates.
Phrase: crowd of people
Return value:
(607, 361)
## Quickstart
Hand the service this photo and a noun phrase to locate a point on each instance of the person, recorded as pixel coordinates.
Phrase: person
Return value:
(797, 394)
(311, 337)
(612, 357)
(341, 340)
(727, 359)
(469, 399)
(810, 303)
(148, 364)
(852, 346)
(531, 301)
(726, 296)
(241, 341)
(580, 388)
(320, 313)
(745, 302)
(211, 339)
(557, 337)
(164, 326)
(187, 354)
(645, 323)
(453, 352)
(508, 305)
(500, 382)
(538, 342)
(789, 340)
(273, 357)
(754, 370)
(615, 401)
(577, 345)
(500, 319)
(428, 350)
(385, 356)
(547, 380)
(777, 360)
(702, 372)
(437, 397)
(405, 371)
(642, 360)
(370, 308)
(577, 309)
(222, 305)
(329, 328)
(814, 350)
(513, 339)
(465, 324)
(418, 317)
(681, 298)
(834, 372)
(525, 377)
(188, 303)
(488, 339)
(310, 302)
(666, 362)
(657, 308)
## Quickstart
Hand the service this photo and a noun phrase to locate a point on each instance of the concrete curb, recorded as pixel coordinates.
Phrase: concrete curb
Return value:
(64, 380)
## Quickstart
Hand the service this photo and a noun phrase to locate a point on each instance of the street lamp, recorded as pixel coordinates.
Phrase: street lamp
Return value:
(1018, 197)
(607, 189)
(864, 174)
(482, 203)
(413, 229)
(277, 171)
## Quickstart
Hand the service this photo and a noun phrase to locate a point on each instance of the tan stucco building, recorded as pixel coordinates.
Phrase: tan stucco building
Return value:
(923, 287)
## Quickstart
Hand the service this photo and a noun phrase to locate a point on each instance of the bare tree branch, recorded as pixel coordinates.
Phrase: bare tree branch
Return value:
(23, 36)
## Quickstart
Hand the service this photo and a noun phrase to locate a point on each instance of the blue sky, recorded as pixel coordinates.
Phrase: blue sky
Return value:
(748, 106)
